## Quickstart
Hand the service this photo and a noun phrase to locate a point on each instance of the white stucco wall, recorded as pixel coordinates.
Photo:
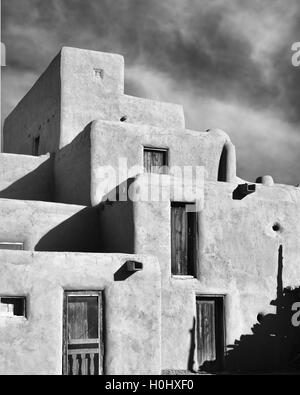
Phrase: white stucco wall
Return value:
(126, 143)
(70, 95)
(132, 311)
(49, 226)
(26, 177)
(237, 258)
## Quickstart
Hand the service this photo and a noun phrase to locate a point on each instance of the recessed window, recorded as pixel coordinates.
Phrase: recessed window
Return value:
(99, 73)
(156, 160)
(183, 239)
(11, 246)
(36, 146)
(13, 306)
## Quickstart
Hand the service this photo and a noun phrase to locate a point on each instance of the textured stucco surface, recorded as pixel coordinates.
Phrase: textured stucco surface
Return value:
(37, 114)
(48, 226)
(26, 177)
(237, 258)
(126, 142)
(72, 171)
(70, 95)
(132, 311)
(77, 111)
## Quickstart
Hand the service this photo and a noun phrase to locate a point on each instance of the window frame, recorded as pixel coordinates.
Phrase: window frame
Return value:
(11, 243)
(164, 150)
(24, 306)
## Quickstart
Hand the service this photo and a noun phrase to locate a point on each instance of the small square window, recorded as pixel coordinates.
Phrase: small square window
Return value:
(13, 306)
(156, 160)
(99, 73)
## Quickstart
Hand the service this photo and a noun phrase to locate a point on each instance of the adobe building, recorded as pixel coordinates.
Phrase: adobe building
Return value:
(128, 245)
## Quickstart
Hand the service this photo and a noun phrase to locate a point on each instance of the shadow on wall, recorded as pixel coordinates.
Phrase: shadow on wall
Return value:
(106, 228)
(36, 185)
(191, 359)
(274, 344)
(72, 170)
(79, 233)
(116, 221)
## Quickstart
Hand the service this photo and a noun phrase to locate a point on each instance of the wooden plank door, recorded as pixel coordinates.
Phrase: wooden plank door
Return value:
(83, 346)
(206, 341)
(183, 240)
(210, 331)
(179, 227)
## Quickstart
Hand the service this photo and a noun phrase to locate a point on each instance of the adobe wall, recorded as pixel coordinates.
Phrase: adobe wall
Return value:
(239, 253)
(87, 96)
(132, 311)
(246, 265)
(238, 258)
(72, 171)
(111, 141)
(37, 114)
(78, 87)
(26, 177)
(48, 226)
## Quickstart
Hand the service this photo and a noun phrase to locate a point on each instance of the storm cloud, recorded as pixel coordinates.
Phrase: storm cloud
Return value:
(227, 62)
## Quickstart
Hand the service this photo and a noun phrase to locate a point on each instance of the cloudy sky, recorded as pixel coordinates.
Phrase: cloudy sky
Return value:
(228, 62)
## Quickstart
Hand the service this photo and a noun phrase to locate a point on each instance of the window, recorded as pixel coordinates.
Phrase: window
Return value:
(13, 306)
(11, 246)
(183, 239)
(36, 146)
(99, 73)
(155, 160)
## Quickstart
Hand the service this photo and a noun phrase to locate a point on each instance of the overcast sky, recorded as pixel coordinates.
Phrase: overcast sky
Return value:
(228, 62)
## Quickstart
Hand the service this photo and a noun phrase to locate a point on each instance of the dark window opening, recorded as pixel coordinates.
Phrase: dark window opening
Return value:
(156, 160)
(11, 246)
(183, 239)
(222, 177)
(13, 306)
(36, 146)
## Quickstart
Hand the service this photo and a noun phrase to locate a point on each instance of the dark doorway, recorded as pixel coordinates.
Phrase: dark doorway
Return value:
(83, 334)
(210, 331)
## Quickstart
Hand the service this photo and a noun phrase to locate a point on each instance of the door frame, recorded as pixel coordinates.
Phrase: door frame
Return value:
(100, 295)
(220, 307)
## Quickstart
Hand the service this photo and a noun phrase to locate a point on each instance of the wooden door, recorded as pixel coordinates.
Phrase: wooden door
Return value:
(183, 240)
(210, 331)
(179, 240)
(83, 345)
